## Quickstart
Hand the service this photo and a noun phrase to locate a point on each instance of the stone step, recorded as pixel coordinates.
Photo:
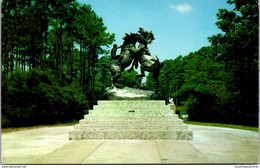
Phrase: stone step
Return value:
(98, 127)
(128, 108)
(130, 102)
(132, 122)
(132, 134)
(131, 117)
(130, 114)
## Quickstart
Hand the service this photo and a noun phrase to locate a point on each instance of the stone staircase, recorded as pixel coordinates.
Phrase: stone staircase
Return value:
(131, 119)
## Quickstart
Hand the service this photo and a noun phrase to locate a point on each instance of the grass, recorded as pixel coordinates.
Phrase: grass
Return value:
(250, 128)
(223, 125)
(13, 129)
(180, 108)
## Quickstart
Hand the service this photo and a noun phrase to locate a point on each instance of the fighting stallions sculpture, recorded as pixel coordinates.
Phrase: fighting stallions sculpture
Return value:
(130, 54)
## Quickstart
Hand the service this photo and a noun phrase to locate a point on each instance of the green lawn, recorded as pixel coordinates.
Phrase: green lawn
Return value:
(223, 125)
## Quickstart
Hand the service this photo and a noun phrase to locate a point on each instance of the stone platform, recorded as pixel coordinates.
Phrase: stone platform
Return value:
(128, 93)
(131, 119)
(50, 145)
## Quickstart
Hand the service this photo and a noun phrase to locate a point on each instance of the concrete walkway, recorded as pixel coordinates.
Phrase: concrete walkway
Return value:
(51, 145)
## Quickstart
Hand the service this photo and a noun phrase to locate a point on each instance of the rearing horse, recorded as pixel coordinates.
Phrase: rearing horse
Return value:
(126, 56)
(143, 56)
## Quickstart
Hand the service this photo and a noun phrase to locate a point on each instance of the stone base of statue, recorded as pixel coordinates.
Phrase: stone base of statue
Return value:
(173, 107)
(131, 119)
(128, 93)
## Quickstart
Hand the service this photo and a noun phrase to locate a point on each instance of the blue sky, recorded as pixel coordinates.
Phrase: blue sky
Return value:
(179, 26)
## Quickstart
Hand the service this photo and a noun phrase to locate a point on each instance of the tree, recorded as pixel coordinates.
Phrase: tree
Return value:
(213, 82)
(60, 15)
(127, 79)
(62, 38)
(239, 50)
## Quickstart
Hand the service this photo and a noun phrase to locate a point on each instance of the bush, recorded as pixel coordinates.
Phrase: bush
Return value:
(35, 97)
(127, 79)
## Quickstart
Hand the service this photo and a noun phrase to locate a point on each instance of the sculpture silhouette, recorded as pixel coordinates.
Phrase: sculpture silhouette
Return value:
(140, 55)
(143, 56)
(125, 58)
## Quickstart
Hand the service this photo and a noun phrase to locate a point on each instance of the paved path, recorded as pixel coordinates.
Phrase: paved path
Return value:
(50, 145)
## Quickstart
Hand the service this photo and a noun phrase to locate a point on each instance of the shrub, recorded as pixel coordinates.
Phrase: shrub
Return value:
(35, 97)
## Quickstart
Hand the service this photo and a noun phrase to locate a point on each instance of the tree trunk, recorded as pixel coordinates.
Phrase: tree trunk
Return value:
(57, 51)
(17, 62)
(6, 62)
(46, 45)
(89, 67)
(23, 62)
(81, 67)
(71, 61)
(33, 54)
(60, 51)
(12, 62)
(66, 65)
(84, 67)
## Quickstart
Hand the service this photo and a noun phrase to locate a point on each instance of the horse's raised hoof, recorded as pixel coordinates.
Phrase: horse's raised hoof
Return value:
(137, 77)
(140, 75)
(130, 70)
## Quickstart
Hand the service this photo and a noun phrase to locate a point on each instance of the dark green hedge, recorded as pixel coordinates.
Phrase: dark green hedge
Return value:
(36, 97)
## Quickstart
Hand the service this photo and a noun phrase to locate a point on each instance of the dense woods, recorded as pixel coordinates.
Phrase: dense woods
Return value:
(50, 65)
(219, 83)
(55, 65)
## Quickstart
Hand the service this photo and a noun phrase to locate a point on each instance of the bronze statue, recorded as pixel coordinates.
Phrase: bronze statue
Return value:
(125, 58)
(147, 62)
(148, 38)
(140, 55)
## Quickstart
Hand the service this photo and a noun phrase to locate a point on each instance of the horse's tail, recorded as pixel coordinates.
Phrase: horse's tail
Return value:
(160, 65)
(157, 60)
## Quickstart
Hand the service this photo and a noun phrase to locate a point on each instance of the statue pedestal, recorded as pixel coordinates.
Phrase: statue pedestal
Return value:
(131, 119)
(173, 107)
(128, 93)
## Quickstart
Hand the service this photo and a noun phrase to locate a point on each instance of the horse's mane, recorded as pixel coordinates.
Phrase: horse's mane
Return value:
(146, 34)
(130, 36)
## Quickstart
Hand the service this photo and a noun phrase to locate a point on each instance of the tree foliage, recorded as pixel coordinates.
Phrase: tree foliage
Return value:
(51, 70)
(35, 97)
(50, 60)
(219, 83)
(127, 79)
